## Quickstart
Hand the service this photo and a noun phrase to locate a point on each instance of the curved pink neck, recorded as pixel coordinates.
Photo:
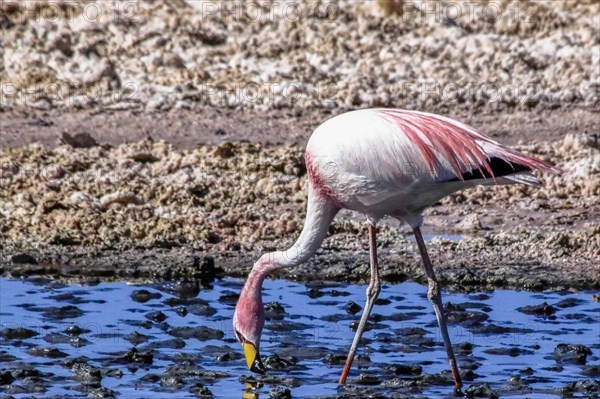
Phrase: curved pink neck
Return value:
(319, 215)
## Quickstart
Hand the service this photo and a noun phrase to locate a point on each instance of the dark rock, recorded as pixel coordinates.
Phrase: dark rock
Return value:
(274, 362)
(46, 352)
(575, 353)
(492, 328)
(481, 391)
(280, 393)
(570, 302)
(188, 369)
(25, 372)
(6, 357)
(368, 379)
(588, 387)
(201, 309)
(181, 311)
(209, 37)
(542, 309)
(400, 383)
(469, 318)
(157, 316)
(183, 289)
(6, 378)
(175, 343)
(101, 392)
(352, 307)
(334, 359)
(174, 301)
(136, 338)
(23, 259)
(515, 380)
(17, 333)
(591, 371)
(136, 356)
(368, 326)
(512, 351)
(150, 378)
(229, 298)
(201, 391)
(143, 296)
(527, 371)
(58, 313)
(413, 369)
(225, 357)
(114, 373)
(86, 374)
(57, 338)
(464, 347)
(171, 381)
(79, 140)
(274, 311)
(287, 326)
(76, 330)
(69, 363)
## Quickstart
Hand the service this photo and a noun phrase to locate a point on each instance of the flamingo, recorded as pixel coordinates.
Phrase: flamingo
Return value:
(383, 162)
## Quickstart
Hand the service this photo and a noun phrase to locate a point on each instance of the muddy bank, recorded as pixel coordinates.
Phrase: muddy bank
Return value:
(472, 271)
(151, 210)
(140, 209)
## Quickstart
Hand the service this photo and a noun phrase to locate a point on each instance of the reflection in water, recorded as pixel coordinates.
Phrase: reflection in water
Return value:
(250, 392)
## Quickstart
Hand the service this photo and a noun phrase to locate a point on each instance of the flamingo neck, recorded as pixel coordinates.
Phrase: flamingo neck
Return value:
(319, 215)
(249, 316)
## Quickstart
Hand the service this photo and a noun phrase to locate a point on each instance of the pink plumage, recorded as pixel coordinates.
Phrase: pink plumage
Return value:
(383, 162)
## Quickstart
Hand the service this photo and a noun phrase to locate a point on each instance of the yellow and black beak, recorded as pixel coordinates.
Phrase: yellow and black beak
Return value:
(253, 359)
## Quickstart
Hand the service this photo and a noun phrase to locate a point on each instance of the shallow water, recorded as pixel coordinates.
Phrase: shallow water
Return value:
(511, 350)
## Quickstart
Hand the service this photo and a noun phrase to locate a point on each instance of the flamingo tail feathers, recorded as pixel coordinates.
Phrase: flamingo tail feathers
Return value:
(470, 154)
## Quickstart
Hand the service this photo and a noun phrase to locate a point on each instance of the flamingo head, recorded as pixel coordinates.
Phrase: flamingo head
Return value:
(249, 317)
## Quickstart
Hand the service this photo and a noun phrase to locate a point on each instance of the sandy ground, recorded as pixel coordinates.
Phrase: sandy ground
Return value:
(187, 128)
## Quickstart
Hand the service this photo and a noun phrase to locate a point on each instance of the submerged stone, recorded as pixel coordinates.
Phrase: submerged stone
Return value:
(17, 333)
(143, 296)
(352, 307)
(575, 353)
(280, 393)
(587, 387)
(86, 374)
(411, 369)
(136, 356)
(46, 352)
(101, 392)
(542, 309)
(482, 390)
(6, 377)
(274, 311)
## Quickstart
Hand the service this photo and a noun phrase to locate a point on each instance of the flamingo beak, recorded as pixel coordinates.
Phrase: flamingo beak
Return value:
(253, 359)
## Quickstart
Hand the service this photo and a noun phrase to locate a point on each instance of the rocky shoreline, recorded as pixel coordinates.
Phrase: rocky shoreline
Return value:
(150, 210)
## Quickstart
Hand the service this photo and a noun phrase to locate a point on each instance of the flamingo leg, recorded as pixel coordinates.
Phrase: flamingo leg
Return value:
(434, 295)
(372, 293)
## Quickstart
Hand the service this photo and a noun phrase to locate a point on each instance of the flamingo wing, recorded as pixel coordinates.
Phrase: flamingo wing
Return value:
(392, 145)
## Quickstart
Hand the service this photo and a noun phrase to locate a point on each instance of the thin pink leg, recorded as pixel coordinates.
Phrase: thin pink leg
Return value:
(372, 292)
(434, 295)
